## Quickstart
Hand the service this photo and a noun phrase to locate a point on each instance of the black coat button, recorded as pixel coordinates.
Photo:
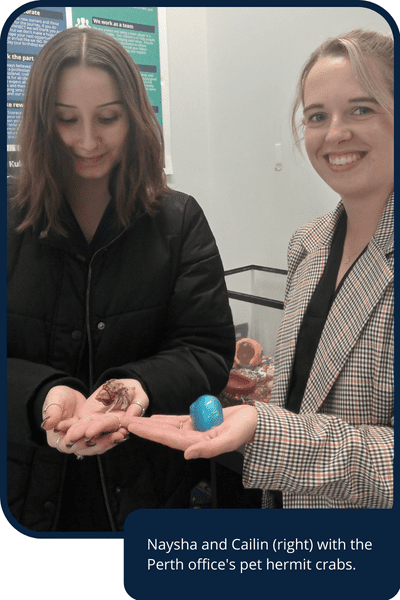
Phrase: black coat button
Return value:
(76, 335)
(49, 506)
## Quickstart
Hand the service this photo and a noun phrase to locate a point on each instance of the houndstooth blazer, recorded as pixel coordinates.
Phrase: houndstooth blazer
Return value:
(338, 452)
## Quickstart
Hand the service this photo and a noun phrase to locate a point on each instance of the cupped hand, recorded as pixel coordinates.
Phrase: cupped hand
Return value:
(60, 410)
(177, 432)
(97, 429)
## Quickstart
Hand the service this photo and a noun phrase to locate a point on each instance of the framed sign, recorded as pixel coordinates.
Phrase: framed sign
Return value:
(141, 30)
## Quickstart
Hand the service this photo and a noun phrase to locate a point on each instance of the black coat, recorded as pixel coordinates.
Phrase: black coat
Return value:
(148, 302)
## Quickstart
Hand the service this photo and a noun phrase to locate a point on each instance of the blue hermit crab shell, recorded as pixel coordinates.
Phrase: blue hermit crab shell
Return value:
(206, 412)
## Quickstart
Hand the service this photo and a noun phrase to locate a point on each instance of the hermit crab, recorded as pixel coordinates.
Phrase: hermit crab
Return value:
(114, 394)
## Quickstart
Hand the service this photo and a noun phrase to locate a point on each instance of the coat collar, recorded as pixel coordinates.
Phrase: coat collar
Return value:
(108, 231)
(361, 291)
(384, 235)
(321, 235)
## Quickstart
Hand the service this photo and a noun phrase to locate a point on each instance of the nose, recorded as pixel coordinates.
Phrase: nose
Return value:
(88, 137)
(338, 130)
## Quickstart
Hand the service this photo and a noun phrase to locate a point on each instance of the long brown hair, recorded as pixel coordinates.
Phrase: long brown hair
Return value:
(45, 161)
(358, 46)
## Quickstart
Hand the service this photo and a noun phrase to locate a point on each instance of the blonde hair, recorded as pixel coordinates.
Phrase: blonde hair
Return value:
(46, 162)
(358, 46)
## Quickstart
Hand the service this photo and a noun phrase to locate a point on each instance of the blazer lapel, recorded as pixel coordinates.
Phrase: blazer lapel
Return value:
(307, 261)
(309, 268)
(355, 301)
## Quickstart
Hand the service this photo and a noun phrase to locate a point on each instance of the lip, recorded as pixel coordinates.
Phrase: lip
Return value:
(89, 160)
(344, 161)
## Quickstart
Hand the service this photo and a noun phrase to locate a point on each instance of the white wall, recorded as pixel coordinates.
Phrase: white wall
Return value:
(233, 73)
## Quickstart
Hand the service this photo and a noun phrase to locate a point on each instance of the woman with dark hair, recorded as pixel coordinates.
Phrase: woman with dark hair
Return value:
(116, 296)
(47, 162)
(326, 440)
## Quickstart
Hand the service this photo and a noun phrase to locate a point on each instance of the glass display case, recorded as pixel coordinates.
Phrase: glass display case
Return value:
(256, 296)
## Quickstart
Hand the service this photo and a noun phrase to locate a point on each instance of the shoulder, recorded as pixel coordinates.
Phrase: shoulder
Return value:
(177, 203)
(311, 238)
(178, 209)
(316, 233)
(320, 229)
(179, 216)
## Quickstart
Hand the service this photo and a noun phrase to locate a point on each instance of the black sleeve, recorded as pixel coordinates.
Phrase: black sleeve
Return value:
(27, 386)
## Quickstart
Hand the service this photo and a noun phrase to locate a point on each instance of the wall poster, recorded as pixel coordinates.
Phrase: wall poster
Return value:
(141, 30)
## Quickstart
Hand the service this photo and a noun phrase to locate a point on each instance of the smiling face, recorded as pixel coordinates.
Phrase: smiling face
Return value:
(348, 135)
(91, 120)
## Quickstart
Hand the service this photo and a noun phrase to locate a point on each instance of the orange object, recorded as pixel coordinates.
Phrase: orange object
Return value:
(239, 384)
(248, 353)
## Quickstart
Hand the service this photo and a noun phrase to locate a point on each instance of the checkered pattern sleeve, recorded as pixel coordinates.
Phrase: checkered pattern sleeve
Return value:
(316, 457)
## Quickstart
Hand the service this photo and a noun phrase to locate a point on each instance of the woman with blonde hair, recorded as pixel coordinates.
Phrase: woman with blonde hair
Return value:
(117, 303)
(326, 439)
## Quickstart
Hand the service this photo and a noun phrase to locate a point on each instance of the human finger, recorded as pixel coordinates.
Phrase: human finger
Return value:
(56, 440)
(77, 430)
(173, 420)
(137, 408)
(94, 426)
(91, 447)
(100, 445)
(51, 413)
(66, 424)
(105, 423)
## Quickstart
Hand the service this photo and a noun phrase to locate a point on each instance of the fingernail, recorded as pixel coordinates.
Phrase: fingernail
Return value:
(71, 444)
(89, 443)
(43, 422)
(119, 441)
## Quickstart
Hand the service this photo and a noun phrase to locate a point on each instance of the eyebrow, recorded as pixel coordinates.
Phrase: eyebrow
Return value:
(100, 105)
(353, 100)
